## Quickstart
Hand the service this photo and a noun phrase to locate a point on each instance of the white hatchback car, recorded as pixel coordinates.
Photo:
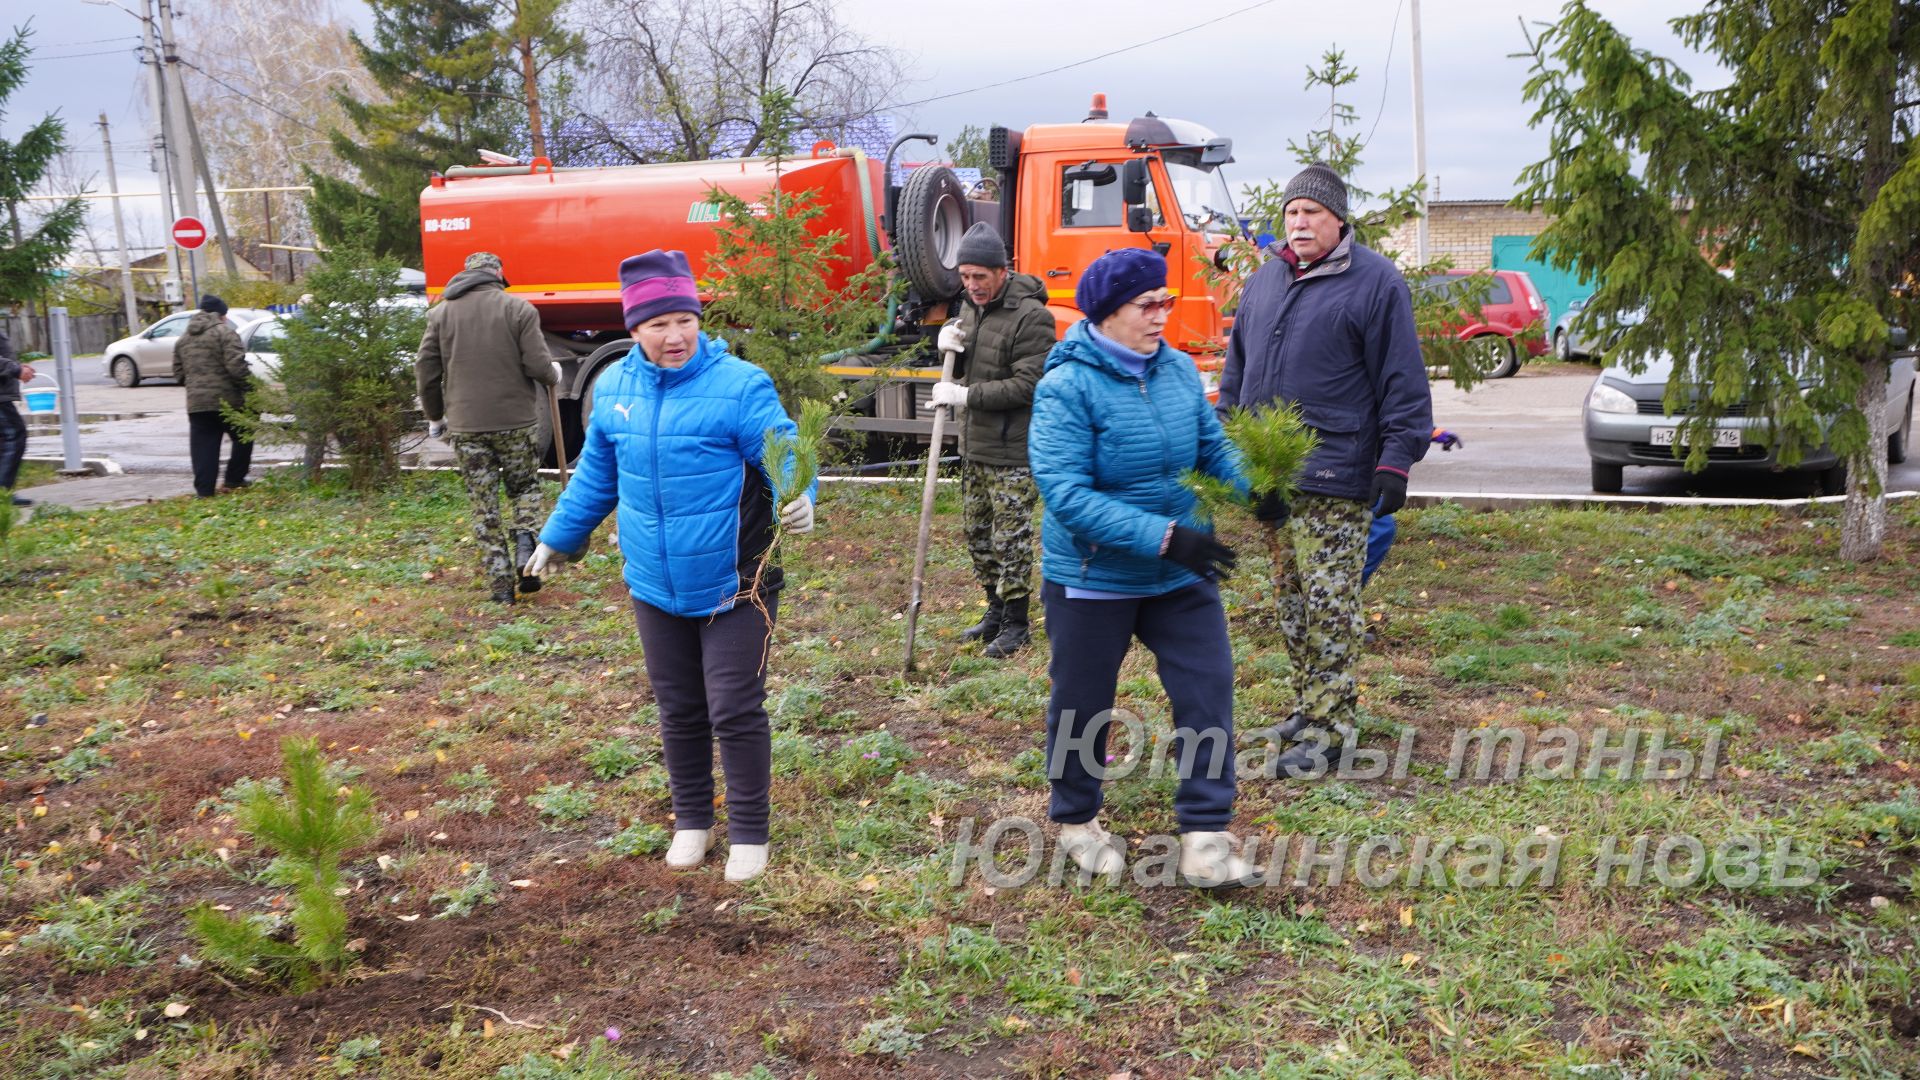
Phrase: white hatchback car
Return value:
(1627, 423)
(148, 355)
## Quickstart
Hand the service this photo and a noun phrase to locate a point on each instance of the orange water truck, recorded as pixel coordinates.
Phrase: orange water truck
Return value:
(1061, 194)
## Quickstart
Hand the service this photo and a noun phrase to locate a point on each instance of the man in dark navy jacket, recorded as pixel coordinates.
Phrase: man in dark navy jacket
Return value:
(1328, 326)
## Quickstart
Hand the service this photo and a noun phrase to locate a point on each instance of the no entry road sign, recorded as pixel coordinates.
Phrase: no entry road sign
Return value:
(189, 233)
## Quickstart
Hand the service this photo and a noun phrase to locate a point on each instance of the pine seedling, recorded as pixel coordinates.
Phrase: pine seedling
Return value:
(311, 826)
(792, 461)
(1274, 444)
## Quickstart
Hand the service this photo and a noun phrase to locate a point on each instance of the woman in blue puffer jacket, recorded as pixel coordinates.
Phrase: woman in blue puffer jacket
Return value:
(673, 449)
(1118, 419)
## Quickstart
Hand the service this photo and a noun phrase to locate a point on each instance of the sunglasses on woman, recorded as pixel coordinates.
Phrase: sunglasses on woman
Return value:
(1155, 307)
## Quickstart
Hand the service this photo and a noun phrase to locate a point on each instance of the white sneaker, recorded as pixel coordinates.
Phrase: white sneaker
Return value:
(746, 861)
(1093, 848)
(1207, 861)
(689, 848)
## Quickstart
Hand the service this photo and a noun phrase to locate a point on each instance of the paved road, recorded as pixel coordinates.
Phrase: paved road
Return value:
(143, 428)
(1523, 436)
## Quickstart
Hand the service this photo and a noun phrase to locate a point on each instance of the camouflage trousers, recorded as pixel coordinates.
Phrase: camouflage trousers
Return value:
(998, 502)
(489, 460)
(1318, 555)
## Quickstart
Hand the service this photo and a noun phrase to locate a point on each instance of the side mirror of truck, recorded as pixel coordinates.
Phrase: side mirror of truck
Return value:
(1140, 219)
(1217, 152)
(1133, 184)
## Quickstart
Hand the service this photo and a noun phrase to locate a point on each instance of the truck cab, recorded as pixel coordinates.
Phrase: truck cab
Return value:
(1084, 189)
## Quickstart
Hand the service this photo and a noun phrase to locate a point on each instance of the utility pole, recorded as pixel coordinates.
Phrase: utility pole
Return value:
(119, 230)
(1419, 139)
(213, 197)
(165, 147)
(177, 140)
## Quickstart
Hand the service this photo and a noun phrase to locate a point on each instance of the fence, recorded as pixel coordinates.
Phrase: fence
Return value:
(91, 333)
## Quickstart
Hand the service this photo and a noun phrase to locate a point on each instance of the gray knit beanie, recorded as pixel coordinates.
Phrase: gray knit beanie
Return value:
(1320, 183)
(982, 246)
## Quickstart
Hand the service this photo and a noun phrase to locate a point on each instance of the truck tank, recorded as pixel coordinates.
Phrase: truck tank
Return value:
(561, 233)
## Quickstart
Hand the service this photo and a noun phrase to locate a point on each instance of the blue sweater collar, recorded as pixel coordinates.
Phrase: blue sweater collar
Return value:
(1080, 346)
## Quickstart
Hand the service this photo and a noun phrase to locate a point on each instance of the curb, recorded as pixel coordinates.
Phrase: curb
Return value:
(96, 466)
(1482, 500)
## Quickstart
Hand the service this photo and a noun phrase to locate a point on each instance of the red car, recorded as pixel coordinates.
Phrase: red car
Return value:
(1512, 317)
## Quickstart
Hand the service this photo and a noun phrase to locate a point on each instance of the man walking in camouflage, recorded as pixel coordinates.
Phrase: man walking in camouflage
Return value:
(1328, 326)
(481, 356)
(1003, 340)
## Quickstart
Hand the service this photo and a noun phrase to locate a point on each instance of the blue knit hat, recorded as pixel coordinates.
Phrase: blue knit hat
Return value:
(1117, 277)
(655, 283)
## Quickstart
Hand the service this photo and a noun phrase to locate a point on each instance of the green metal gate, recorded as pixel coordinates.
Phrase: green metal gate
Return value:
(1557, 287)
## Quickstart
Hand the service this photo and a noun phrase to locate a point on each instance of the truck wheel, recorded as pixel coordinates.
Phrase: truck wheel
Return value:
(572, 435)
(590, 371)
(931, 217)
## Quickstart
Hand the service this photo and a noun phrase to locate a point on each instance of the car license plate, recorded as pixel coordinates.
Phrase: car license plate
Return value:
(1723, 438)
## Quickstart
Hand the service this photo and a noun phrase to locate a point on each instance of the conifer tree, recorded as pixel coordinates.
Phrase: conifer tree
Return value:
(1769, 228)
(440, 65)
(34, 242)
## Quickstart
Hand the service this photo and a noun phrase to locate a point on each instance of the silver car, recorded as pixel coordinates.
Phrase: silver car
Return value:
(148, 354)
(1627, 423)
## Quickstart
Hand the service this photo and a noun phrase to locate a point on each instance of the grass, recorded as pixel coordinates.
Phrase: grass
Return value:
(514, 762)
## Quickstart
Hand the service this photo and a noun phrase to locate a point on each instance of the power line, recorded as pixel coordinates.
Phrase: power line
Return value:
(92, 41)
(217, 80)
(77, 56)
(1386, 74)
(1079, 63)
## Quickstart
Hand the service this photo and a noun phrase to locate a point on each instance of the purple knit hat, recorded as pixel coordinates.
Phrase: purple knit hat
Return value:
(656, 283)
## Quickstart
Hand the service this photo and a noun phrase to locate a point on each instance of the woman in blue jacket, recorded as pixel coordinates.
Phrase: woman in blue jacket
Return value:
(673, 450)
(1118, 418)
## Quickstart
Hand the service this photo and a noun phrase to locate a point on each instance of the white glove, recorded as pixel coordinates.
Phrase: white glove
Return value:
(797, 516)
(953, 336)
(436, 429)
(950, 394)
(541, 557)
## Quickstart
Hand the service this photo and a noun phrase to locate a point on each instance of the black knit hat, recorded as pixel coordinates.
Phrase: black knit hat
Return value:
(1320, 183)
(982, 246)
(214, 304)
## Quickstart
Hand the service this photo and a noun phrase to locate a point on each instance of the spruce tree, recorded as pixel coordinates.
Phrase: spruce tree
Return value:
(1769, 228)
(439, 62)
(30, 250)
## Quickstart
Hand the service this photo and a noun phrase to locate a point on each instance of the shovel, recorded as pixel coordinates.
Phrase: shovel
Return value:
(940, 414)
(559, 436)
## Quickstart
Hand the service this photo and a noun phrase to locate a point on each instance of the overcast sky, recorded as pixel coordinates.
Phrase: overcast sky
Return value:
(1241, 76)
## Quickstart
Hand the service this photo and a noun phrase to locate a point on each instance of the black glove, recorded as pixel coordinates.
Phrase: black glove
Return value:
(1389, 493)
(1200, 553)
(1272, 509)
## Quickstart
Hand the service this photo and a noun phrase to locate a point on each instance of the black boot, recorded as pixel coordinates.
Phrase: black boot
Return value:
(1013, 629)
(523, 545)
(988, 627)
(502, 590)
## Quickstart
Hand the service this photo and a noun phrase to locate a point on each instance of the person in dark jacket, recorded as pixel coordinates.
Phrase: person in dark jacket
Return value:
(1003, 342)
(13, 429)
(479, 362)
(211, 363)
(674, 451)
(1118, 419)
(1328, 326)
